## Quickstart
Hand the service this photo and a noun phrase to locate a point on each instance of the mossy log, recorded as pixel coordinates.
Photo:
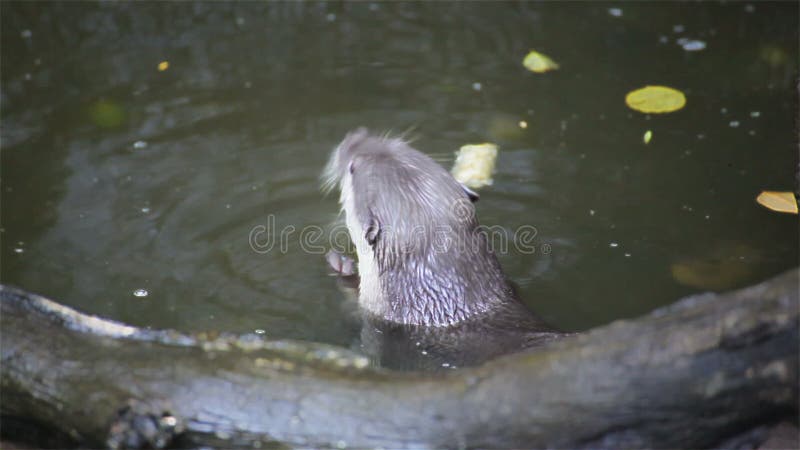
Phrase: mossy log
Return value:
(693, 374)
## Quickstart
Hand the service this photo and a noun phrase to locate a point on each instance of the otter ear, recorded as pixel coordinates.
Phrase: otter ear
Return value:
(373, 231)
(473, 196)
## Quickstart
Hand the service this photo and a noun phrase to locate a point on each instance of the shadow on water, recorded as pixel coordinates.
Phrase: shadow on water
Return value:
(119, 177)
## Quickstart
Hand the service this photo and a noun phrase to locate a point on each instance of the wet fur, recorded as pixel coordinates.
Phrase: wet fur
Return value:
(401, 207)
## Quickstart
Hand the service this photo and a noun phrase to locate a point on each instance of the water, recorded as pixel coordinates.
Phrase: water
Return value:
(131, 192)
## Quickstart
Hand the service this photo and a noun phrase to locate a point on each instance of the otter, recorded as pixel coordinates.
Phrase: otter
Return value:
(428, 282)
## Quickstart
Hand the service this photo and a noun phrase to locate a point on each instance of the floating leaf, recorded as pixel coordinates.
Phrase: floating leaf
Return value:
(539, 62)
(728, 265)
(106, 114)
(778, 201)
(774, 56)
(648, 135)
(163, 65)
(655, 99)
(475, 164)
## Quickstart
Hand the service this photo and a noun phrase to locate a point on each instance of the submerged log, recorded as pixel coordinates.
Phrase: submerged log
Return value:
(689, 375)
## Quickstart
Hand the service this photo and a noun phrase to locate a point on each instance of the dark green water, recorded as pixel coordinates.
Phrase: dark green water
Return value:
(117, 176)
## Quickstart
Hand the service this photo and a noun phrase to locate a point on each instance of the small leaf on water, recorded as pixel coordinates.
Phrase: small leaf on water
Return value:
(539, 62)
(778, 201)
(725, 266)
(655, 99)
(648, 135)
(774, 56)
(106, 114)
(163, 65)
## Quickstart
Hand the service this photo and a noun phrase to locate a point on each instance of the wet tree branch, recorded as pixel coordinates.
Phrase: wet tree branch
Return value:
(689, 375)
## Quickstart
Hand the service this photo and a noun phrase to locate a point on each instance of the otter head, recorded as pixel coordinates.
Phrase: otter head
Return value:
(422, 258)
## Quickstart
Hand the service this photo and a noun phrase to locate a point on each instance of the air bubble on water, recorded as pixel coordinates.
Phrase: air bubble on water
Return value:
(227, 206)
(140, 144)
(615, 12)
(748, 8)
(627, 255)
(330, 17)
(26, 34)
(678, 28)
(260, 331)
(477, 86)
(146, 209)
(613, 245)
(734, 124)
(755, 114)
(140, 293)
(19, 250)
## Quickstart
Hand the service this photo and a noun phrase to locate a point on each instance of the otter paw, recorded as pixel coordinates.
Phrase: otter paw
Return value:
(143, 425)
(341, 264)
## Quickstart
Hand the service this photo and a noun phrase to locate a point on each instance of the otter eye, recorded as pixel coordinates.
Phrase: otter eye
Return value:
(350, 167)
(472, 195)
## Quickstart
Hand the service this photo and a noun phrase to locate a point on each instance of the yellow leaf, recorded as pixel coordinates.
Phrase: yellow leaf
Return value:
(711, 275)
(774, 56)
(648, 135)
(655, 99)
(725, 266)
(106, 113)
(163, 65)
(475, 164)
(778, 201)
(539, 62)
